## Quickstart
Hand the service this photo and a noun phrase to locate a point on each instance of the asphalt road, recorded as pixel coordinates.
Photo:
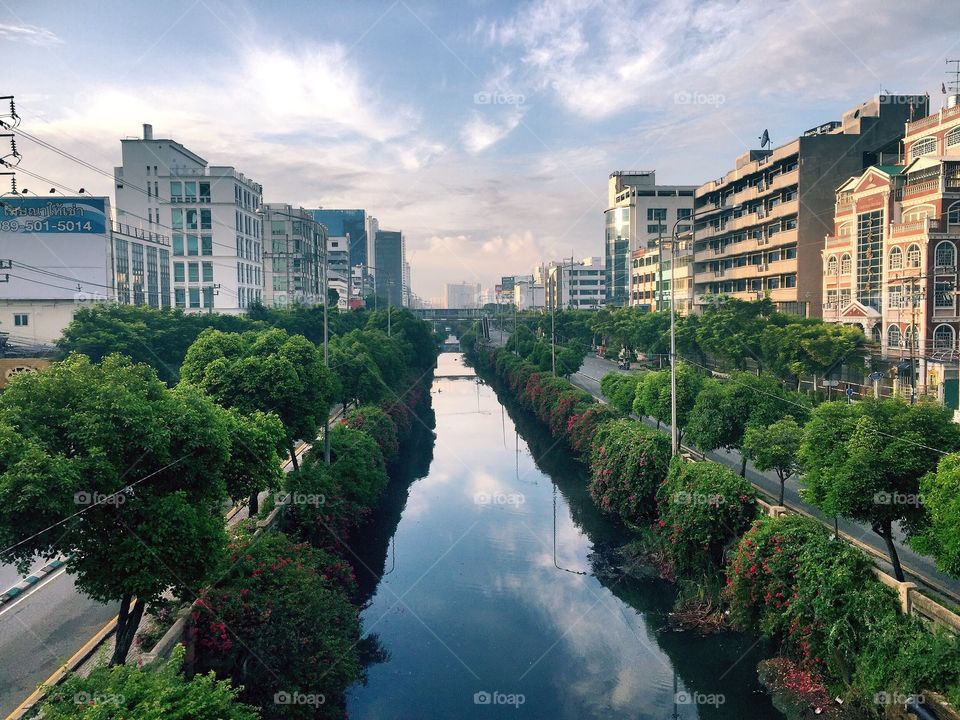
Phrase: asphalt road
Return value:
(918, 568)
(41, 630)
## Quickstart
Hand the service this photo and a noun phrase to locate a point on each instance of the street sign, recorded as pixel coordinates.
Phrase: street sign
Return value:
(876, 376)
(829, 383)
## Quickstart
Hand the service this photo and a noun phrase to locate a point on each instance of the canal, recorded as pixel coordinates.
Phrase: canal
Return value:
(492, 598)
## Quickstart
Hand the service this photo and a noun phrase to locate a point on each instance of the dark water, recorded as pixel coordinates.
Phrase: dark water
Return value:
(482, 607)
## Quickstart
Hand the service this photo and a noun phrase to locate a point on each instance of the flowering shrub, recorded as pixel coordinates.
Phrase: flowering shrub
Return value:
(583, 423)
(628, 464)
(379, 425)
(281, 621)
(704, 508)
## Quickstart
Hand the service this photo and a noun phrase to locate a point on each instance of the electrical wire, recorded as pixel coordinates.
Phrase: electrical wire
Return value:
(106, 498)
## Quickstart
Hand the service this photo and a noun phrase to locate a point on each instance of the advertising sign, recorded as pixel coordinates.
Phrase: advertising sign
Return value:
(53, 215)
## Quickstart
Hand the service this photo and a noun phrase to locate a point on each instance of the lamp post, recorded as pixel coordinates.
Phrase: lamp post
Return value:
(674, 239)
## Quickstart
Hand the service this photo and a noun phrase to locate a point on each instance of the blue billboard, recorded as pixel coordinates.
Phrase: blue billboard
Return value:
(53, 215)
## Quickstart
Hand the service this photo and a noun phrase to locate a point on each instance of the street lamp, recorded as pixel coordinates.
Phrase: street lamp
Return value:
(674, 239)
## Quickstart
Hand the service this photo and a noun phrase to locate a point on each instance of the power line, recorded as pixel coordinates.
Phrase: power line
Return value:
(106, 498)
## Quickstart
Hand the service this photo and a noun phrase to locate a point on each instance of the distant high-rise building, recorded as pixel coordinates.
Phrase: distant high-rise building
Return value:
(389, 252)
(352, 223)
(640, 215)
(407, 289)
(461, 295)
(292, 256)
(210, 213)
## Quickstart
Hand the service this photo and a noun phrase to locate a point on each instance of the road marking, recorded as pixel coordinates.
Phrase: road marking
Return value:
(24, 596)
(60, 673)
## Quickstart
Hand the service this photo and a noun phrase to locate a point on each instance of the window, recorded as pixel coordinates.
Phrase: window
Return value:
(831, 300)
(832, 265)
(953, 214)
(206, 245)
(896, 258)
(177, 244)
(180, 297)
(656, 214)
(845, 297)
(206, 220)
(945, 255)
(869, 258)
(176, 218)
(943, 337)
(176, 191)
(893, 336)
(193, 272)
(923, 146)
(911, 337)
(192, 247)
(21, 320)
(684, 213)
(178, 275)
(773, 283)
(208, 272)
(845, 265)
(913, 256)
(194, 297)
(790, 281)
(943, 295)
(895, 298)
(278, 227)
(656, 229)
(190, 191)
(191, 219)
(204, 192)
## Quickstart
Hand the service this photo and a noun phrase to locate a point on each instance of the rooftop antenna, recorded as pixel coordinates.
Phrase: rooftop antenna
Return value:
(765, 140)
(951, 88)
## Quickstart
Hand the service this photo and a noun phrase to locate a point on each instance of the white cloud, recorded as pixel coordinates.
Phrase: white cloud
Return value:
(479, 133)
(30, 34)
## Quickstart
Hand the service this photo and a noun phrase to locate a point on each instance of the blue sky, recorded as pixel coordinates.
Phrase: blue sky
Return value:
(484, 130)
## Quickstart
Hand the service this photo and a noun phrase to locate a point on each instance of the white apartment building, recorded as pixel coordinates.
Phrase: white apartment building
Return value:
(59, 254)
(209, 213)
(640, 214)
(577, 284)
(529, 294)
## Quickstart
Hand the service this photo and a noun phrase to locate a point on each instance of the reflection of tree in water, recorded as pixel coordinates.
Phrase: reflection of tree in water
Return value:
(371, 542)
(695, 659)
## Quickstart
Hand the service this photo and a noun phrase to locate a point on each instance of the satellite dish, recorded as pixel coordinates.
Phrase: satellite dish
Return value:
(765, 139)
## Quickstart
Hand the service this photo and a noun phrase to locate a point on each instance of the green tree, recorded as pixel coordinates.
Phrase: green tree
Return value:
(123, 692)
(76, 436)
(256, 443)
(654, 393)
(775, 447)
(269, 371)
(941, 497)
(864, 461)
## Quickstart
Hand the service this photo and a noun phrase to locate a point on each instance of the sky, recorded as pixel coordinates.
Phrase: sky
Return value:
(484, 130)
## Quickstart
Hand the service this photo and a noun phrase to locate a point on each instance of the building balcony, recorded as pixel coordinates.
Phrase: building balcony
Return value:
(922, 188)
(786, 179)
(790, 207)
